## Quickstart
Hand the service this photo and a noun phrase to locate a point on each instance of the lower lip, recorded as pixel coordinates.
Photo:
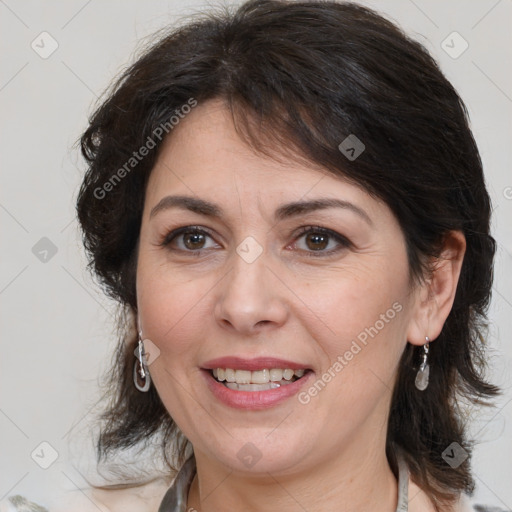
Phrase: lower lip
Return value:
(254, 399)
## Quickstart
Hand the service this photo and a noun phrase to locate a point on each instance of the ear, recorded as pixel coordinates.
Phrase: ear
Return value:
(434, 297)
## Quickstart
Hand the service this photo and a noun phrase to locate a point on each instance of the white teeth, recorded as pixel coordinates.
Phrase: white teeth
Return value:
(288, 374)
(243, 376)
(258, 377)
(230, 375)
(276, 375)
(252, 387)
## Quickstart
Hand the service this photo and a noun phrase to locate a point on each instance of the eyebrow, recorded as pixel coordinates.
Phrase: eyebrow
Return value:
(209, 209)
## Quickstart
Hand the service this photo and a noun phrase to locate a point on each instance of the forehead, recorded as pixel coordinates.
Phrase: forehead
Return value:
(204, 155)
(206, 140)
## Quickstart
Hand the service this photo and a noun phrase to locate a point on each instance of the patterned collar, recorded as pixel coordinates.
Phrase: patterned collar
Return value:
(175, 499)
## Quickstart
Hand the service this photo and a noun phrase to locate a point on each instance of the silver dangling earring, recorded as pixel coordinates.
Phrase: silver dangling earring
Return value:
(421, 381)
(141, 377)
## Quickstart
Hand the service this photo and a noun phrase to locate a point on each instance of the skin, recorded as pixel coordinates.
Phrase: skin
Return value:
(328, 454)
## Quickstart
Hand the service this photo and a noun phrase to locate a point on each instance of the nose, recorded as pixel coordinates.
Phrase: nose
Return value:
(251, 298)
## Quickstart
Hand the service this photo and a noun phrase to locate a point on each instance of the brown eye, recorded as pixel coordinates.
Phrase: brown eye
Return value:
(317, 241)
(193, 240)
(188, 239)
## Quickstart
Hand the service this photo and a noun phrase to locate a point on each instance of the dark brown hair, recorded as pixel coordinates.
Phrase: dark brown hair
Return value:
(299, 77)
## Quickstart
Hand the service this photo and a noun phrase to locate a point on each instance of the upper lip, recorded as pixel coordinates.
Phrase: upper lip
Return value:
(258, 363)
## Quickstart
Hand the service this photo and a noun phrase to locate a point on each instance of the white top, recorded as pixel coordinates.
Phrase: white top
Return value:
(158, 496)
(175, 499)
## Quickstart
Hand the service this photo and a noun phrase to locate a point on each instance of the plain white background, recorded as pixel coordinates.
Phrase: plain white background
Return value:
(57, 328)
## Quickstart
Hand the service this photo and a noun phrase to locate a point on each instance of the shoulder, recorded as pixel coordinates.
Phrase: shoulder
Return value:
(143, 498)
(147, 498)
(19, 503)
(420, 502)
(487, 508)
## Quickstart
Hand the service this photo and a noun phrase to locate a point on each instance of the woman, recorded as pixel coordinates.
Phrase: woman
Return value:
(306, 256)
(290, 205)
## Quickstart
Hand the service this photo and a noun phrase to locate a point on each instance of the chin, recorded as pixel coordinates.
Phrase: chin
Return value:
(261, 451)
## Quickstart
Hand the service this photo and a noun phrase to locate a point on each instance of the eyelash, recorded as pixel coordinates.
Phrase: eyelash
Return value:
(344, 242)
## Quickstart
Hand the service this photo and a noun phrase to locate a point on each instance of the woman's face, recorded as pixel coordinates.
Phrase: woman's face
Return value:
(250, 283)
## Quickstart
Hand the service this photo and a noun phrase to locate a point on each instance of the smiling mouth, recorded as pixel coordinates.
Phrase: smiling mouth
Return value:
(259, 380)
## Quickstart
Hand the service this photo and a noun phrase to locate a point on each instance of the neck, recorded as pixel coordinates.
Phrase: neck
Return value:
(355, 480)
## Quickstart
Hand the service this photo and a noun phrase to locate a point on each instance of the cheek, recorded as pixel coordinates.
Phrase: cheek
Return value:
(170, 308)
(364, 320)
(360, 359)
(357, 306)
